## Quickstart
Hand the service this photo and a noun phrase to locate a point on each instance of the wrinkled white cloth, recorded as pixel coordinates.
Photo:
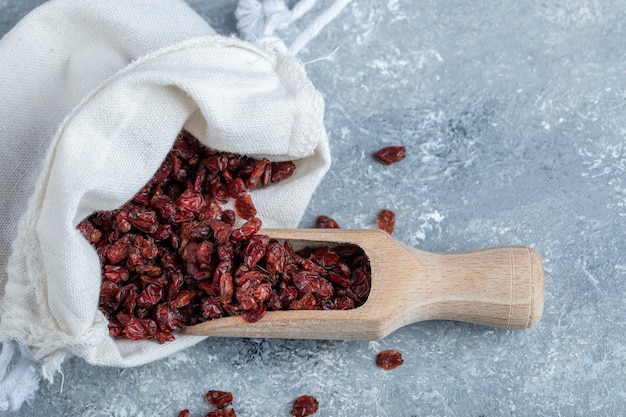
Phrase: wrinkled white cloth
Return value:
(92, 96)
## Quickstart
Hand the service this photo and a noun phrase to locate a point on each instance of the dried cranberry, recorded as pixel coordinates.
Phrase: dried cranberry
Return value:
(219, 399)
(226, 288)
(325, 222)
(122, 224)
(287, 295)
(255, 177)
(224, 412)
(386, 220)
(143, 219)
(228, 217)
(212, 307)
(221, 231)
(339, 280)
(343, 303)
(237, 188)
(389, 359)
(244, 206)
(190, 201)
(163, 336)
(115, 273)
(138, 328)
(325, 257)
(164, 205)
(118, 251)
(361, 283)
(390, 154)
(275, 258)
(304, 405)
(168, 318)
(255, 250)
(252, 293)
(89, 232)
(255, 314)
(247, 230)
(150, 295)
(183, 298)
(282, 170)
(307, 302)
(217, 163)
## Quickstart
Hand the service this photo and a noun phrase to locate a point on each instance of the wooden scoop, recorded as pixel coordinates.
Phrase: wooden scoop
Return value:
(501, 287)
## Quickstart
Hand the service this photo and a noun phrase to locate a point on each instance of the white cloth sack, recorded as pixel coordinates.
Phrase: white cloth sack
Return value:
(92, 96)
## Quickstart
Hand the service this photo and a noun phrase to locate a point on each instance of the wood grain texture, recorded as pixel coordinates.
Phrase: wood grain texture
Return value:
(501, 287)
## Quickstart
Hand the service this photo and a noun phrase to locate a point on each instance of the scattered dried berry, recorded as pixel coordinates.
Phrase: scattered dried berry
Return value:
(325, 222)
(171, 256)
(389, 359)
(386, 220)
(184, 413)
(304, 405)
(224, 412)
(219, 399)
(390, 154)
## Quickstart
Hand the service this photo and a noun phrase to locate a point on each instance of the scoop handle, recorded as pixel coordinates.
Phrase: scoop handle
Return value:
(501, 287)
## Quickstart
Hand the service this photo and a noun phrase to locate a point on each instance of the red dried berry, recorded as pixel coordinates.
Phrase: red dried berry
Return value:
(190, 201)
(251, 294)
(255, 314)
(390, 154)
(255, 250)
(244, 206)
(325, 222)
(221, 231)
(361, 283)
(150, 295)
(237, 188)
(163, 336)
(183, 413)
(122, 224)
(164, 205)
(282, 170)
(146, 246)
(224, 412)
(247, 230)
(89, 232)
(386, 220)
(115, 273)
(226, 288)
(343, 303)
(143, 219)
(216, 163)
(275, 258)
(140, 328)
(304, 405)
(389, 359)
(307, 302)
(168, 318)
(325, 257)
(212, 307)
(118, 251)
(184, 298)
(257, 173)
(219, 399)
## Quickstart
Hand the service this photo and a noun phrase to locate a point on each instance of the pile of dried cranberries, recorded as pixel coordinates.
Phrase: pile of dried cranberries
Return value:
(172, 256)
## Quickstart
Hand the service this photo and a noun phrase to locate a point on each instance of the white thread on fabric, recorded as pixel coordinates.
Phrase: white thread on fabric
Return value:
(18, 379)
(257, 20)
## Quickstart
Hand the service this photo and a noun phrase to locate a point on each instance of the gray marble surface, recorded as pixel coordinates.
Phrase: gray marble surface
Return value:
(514, 119)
